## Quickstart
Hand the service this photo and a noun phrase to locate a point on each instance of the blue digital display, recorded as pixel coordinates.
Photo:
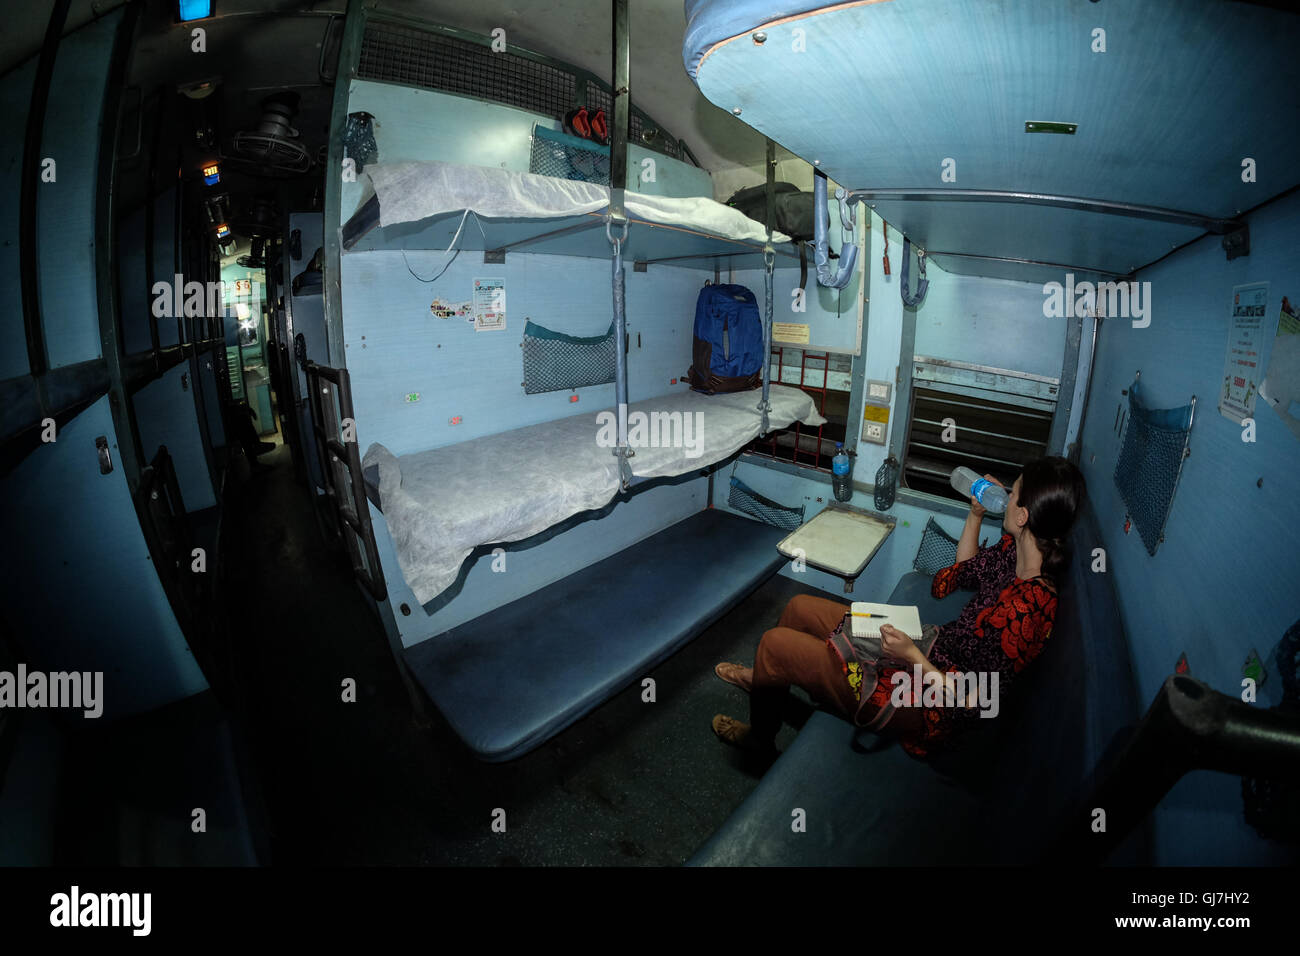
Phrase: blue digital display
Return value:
(195, 9)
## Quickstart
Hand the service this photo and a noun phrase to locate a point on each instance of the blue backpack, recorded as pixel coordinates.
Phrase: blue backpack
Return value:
(728, 346)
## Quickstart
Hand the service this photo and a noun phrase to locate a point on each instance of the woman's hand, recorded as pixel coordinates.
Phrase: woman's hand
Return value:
(897, 645)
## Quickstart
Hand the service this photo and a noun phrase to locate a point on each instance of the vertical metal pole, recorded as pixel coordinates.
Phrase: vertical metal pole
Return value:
(622, 112)
(769, 262)
(618, 221)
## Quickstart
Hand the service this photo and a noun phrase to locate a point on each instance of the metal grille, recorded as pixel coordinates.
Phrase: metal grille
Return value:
(992, 435)
(1150, 461)
(564, 160)
(395, 53)
(400, 54)
(640, 128)
(818, 375)
(746, 499)
(938, 549)
(553, 361)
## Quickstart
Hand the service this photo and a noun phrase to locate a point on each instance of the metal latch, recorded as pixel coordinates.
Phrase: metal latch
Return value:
(105, 456)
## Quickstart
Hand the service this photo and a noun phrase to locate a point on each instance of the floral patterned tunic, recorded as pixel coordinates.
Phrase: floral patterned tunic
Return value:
(1001, 629)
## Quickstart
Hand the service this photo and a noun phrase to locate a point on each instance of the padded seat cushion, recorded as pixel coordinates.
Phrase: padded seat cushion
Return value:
(512, 678)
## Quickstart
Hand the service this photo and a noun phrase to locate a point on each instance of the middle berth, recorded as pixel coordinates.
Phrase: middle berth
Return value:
(443, 503)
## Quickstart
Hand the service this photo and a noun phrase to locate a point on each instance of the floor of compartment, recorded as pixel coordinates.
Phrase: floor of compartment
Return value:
(367, 783)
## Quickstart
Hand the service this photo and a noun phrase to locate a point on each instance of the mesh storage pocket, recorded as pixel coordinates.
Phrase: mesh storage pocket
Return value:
(746, 499)
(1150, 459)
(567, 157)
(938, 549)
(555, 361)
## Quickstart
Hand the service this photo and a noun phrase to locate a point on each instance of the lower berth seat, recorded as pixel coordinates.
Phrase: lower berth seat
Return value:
(1000, 798)
(512, 678)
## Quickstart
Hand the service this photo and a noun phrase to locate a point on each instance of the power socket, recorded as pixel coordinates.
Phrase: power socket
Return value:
(873, 432)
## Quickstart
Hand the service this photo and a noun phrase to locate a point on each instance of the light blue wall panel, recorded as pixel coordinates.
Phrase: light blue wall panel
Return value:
(15, 100)
(395, 346)
(532, 568)
(830, 314)
(78, 538)
(1224, 580)
(414, 124)
(985, 321)
(166, 415)
(66, 208)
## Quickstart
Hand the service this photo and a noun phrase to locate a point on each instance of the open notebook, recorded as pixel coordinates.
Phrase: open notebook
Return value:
(906, 619)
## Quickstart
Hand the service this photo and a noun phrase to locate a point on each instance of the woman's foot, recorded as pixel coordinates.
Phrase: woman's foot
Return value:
(739, 734)
(742, 677)
(731, 730)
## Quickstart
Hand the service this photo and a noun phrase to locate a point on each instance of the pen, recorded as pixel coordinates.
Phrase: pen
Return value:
(867, 614)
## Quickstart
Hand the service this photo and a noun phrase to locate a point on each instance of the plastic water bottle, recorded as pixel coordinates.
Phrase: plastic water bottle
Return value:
(970, 485)
(842, 473)
(886, 484)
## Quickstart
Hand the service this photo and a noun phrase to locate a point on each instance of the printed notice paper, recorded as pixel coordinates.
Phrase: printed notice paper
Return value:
(1241, 371)
(489, 304)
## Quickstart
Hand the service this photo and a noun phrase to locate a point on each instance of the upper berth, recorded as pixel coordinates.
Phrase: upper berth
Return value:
(422, 205)
(1019, 139)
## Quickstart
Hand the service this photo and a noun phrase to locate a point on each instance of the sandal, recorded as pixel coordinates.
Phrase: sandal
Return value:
(731, 674)
(730, 730)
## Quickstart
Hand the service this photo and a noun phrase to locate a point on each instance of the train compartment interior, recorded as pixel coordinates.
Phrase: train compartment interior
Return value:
(441, 390)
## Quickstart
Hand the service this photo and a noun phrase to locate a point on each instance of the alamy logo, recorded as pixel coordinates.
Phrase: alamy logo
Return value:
(75, 908)
(75, 690)
(947, 689)
(1106, 300)
(653, 430)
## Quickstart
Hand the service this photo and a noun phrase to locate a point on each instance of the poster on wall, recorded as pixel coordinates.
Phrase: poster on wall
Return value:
(1281, 387)
(1241, 371)
(489, 305)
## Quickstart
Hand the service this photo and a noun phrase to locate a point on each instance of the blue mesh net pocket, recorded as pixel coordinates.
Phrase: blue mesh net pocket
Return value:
(938, 549)
(746, 499)
(568, 157)
(554, 361)
(1150, 461)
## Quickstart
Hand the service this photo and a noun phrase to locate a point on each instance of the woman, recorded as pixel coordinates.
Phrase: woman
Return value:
(1001, 629)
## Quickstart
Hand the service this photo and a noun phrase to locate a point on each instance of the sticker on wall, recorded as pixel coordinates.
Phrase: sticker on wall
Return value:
(1241, 371)
(489, 305)
(412, 397)
(451, 310)
(1254, 667)
(1281, 388)
(795, 333)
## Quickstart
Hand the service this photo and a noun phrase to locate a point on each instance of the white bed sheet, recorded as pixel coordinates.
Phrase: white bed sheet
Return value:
(441, 504)
(411, 191)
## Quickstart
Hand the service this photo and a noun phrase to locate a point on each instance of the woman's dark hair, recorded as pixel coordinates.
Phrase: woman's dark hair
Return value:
(1052, 491)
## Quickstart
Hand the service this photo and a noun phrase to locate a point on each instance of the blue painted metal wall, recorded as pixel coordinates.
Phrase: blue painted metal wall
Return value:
(166, 415)
(86, 595)
(15, 100)
(66, 207)
(1224, 580)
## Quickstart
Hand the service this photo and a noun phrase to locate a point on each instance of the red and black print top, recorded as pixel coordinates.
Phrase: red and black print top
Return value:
(1001, 629)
